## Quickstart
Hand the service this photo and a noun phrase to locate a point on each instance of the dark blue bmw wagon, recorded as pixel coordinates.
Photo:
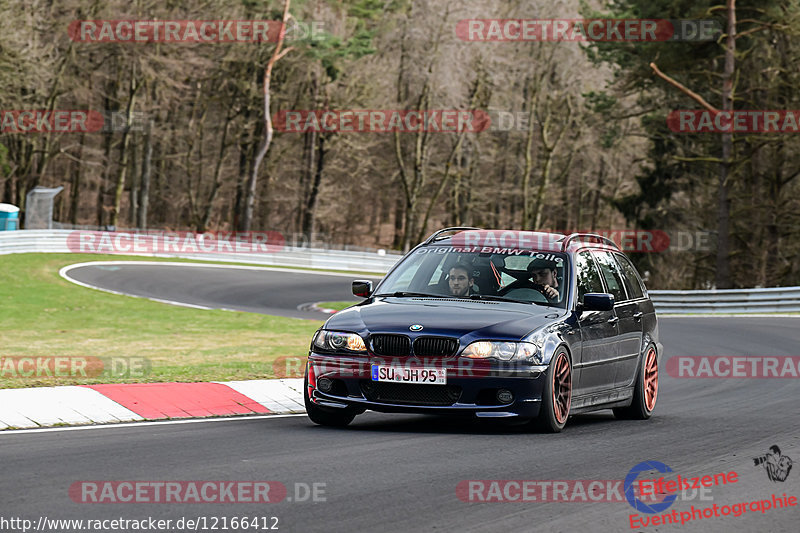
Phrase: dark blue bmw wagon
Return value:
(492, 324)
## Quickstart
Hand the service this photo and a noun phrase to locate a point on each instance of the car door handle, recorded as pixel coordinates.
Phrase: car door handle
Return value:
(613, 320)
(638, 316)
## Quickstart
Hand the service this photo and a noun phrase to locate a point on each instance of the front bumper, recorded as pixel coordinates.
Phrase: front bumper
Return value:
(471, 388)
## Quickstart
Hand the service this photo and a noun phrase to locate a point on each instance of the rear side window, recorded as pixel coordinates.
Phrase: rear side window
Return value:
(587, 274)
(612, 275)
(632, 280)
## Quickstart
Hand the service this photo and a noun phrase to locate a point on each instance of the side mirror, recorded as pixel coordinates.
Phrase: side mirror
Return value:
(362, 288)
(598, 301)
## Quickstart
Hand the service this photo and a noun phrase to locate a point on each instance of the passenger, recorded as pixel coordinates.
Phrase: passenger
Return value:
(461, 280)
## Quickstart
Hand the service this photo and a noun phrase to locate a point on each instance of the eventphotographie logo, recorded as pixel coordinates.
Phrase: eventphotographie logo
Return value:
(777, 466)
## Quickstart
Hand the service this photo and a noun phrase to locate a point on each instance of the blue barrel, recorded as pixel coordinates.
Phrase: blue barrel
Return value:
(9, 217)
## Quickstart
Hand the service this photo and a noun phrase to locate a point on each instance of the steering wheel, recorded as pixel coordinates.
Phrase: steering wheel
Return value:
(527, 294)
(521, 284)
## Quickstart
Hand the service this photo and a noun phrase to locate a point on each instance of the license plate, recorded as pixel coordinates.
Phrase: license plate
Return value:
(400, 374)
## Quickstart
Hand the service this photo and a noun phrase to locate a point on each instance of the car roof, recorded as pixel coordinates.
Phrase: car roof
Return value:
(518, 239)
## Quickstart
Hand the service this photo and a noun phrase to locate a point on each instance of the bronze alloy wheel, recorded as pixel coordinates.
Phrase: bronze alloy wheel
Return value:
(645, 392)
(651, 379)
(562, 388)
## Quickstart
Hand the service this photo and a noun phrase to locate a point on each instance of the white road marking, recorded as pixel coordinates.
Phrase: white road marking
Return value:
(144, 424)
(64, 273)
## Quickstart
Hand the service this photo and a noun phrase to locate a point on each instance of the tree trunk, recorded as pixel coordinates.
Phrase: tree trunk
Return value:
(526, 173)
(309, 215)
(144, 192)
(252, 182)
(74, 199)
(398, 222)
(123, 150)
(309, 158)
(133, 191)
(723, 277)
(601, 175)
(104, 179)
(549, 154)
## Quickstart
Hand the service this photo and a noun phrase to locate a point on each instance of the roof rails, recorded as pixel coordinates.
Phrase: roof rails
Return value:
(588, 237)
(437, 233)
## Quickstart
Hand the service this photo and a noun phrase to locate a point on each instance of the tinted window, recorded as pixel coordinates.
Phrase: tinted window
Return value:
(632, 281)
(611, 274)
(500, 273)
(587, 274)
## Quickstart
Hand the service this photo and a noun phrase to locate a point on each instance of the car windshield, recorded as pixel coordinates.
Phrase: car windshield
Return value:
(441, 271)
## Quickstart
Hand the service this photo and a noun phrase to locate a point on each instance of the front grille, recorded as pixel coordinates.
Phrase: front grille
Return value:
(435, 346)
(410, 393)
(393, 345)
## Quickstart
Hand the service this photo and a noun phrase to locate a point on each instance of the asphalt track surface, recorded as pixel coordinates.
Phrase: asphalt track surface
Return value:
(253, 289)
(400, 472)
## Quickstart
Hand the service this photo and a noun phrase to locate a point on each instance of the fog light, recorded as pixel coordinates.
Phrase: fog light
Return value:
(324, 384)
(505, 396)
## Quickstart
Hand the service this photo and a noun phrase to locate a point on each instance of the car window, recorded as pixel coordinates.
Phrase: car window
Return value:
(404, 280)
(502, 273)
(611, 274)
(587, 274)
(633, 282)
(404, 277)
(439, 274)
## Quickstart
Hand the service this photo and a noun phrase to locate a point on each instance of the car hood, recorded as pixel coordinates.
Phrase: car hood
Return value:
(446, 317)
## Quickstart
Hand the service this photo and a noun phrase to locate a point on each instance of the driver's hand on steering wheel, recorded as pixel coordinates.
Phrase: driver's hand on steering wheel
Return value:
(550, 292)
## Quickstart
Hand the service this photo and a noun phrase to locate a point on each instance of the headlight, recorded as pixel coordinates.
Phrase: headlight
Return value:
(337, 341)
(504, 351)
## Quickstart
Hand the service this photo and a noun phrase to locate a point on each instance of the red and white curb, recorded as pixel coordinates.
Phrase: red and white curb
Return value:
(112, 403)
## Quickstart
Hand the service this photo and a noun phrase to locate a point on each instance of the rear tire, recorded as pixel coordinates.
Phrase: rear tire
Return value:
(322, 416)
(557, 395)
(645, 393)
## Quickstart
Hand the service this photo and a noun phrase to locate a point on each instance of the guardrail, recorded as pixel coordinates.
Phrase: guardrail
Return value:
(55, 241)
(772, 300)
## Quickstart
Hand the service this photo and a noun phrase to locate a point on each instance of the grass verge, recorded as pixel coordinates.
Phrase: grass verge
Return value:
(336, 305)
(43, 315)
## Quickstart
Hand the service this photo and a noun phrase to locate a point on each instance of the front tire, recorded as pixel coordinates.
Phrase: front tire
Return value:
(557, 395)
(322, 416)
(645, 393)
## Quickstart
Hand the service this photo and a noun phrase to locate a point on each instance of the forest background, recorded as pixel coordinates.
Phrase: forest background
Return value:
(584, 143)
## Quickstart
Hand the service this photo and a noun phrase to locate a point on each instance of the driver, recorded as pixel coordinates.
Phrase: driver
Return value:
(543, 275)
(461, 280)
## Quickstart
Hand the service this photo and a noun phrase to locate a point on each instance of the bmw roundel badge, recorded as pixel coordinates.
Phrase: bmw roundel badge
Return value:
(415, 327)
